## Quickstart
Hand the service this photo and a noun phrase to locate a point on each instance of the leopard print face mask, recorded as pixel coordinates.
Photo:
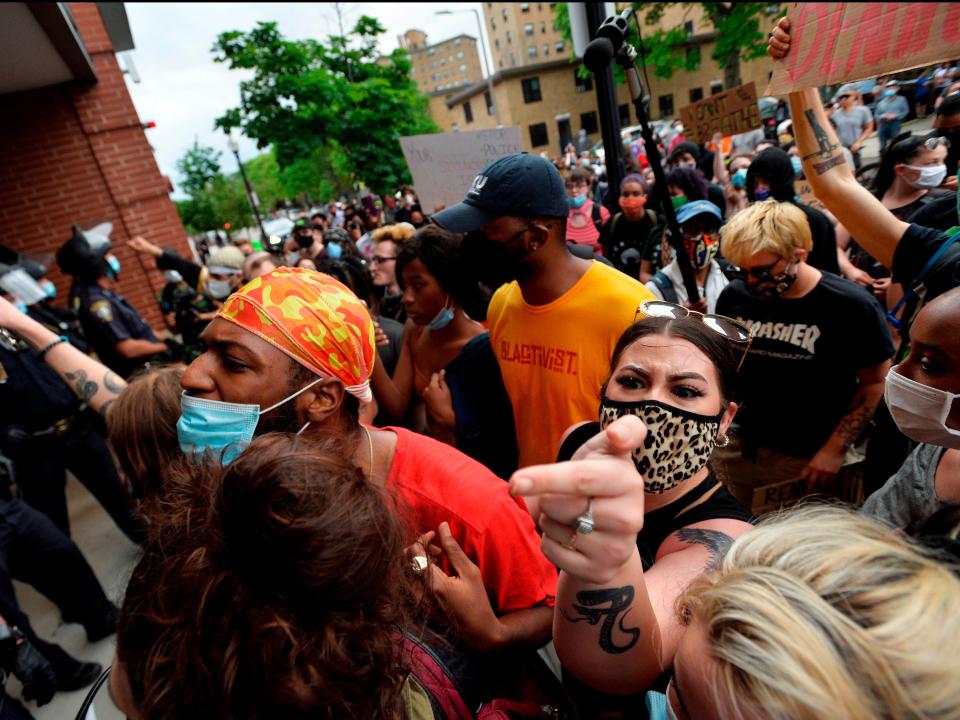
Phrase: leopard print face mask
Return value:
(678, 443)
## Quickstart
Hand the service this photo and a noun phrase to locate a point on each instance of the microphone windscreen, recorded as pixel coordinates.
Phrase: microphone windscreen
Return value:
(598, 54)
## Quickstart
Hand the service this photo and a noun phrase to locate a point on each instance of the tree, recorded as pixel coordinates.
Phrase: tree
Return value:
(198, 168)
(331, 111)
(735, 26)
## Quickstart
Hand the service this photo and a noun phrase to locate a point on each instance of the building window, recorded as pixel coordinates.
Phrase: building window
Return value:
(431, 51)
(531, 90)
(716, 87)
(496, 42)
(467, 112)
(443, 61)
(696, 94)
(488, 99)
(462, 68)
(543, 28)
(493, 23)
(546, 49)
(528, 29)
(501, 63)
(460, 55)
(560, 47)
(524, 7)
(584, 84)
(688, 27)
(436, 76)
(624, 112)
(504, 13)
(509, 37)
(433, 65)
(446, 75)
(532, 51)
(457, 42)
(588, 121)
(538, 135)
(666, 105)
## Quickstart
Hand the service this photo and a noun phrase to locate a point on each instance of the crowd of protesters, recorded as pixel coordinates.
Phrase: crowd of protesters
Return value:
(495, 461)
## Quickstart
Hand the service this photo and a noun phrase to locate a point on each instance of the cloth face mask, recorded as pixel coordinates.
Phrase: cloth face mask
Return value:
(920, 411)
(678, 442)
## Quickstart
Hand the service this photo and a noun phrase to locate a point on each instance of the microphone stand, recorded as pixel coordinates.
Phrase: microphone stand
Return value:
(627, 58)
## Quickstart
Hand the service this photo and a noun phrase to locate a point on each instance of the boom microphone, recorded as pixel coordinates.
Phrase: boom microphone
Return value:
(610, 38)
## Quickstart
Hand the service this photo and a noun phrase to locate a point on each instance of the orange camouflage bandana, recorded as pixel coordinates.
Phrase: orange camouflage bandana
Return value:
(314, 319)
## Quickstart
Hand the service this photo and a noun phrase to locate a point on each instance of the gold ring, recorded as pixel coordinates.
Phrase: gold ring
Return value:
(571, 541)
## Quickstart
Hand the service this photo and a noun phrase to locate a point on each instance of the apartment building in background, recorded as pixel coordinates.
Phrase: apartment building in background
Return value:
(548, 99)
(444, 66)
(522, 35)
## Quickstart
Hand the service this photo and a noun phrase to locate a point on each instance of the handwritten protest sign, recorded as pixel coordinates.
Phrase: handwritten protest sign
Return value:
(730, 113)
(443, 165)
(832, 43)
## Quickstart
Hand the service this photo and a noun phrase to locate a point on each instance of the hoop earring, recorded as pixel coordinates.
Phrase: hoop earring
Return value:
(722, 441)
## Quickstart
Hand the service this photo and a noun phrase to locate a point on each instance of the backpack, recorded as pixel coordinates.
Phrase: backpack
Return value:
(666, 287)
(436, 678)
(595, 214)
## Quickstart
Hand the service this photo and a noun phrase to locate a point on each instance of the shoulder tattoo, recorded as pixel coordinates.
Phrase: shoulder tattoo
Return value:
(612, 615)
(716, 542)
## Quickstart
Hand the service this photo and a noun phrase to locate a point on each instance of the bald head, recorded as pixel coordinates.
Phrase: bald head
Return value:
(942, 314)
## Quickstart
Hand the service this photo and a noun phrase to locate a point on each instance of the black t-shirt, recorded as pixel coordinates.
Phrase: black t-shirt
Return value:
(939, 213)
(801, 371)
(823, 255)
(915, 248)
(624, 241)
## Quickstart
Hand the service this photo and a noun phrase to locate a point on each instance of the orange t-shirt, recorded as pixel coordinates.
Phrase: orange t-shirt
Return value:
(554, 358)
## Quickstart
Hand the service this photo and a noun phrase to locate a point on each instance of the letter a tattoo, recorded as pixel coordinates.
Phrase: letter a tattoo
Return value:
(620, 600)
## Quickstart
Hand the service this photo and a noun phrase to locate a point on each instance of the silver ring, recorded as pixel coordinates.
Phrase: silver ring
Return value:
(419, 563)
(584, 523)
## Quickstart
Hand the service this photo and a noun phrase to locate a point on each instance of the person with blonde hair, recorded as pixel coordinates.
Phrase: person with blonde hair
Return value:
(386, 242)
(814, 373)
(815, 613)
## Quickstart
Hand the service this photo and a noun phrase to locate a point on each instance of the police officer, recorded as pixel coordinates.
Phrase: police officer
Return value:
(121, 338)
(46, 429)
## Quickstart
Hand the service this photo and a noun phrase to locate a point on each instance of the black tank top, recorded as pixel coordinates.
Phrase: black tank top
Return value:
(709, 500)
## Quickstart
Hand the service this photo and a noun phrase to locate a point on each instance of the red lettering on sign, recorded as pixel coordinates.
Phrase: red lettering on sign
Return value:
(831, 36)
(916, 23)
(807, 23)
(878, 22)
(951, 24)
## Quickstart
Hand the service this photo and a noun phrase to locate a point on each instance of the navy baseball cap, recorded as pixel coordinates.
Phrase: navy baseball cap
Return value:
(698, 207)
(522, 184)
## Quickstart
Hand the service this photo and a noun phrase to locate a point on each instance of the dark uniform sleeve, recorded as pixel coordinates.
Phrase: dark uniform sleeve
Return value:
(105, 321)
(188, 269)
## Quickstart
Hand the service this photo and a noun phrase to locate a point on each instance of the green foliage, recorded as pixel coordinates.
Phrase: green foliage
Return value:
(198, 166)
(311, 101)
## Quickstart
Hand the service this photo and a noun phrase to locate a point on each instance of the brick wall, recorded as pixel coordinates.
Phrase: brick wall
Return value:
(77, 154)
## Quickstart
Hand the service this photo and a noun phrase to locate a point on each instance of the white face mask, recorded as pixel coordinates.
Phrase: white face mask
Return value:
(218, 289)
(920, 411)
(930, 176)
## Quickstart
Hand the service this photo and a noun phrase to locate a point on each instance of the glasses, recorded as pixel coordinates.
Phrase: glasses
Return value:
(842, 97)
(380, 259)
(720, 324)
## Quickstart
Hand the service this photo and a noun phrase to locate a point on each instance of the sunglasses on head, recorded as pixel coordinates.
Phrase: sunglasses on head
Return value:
(722, 325)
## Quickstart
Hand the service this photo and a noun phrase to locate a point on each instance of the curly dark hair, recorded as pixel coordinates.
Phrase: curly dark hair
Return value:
(271, 587)
(690, 180)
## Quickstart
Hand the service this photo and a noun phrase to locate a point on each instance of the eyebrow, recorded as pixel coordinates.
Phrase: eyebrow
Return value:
(678, 376)
(224, 345)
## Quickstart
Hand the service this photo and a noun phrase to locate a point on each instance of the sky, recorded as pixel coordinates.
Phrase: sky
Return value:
(183, 90)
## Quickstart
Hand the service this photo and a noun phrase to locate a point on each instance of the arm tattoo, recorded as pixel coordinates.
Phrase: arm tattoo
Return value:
(84, 388)
(823, 140)
(856, 419)
(113, 382)
(718, 543)
(821, 168)
(620, 600)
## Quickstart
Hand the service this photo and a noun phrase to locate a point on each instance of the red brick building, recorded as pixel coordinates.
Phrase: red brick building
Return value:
(72, 148)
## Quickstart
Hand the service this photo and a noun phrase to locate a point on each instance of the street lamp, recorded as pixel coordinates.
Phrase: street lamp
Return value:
(251, 195)
(483, 47)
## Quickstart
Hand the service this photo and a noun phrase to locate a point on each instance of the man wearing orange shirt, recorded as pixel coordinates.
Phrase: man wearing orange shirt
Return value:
(556, 317)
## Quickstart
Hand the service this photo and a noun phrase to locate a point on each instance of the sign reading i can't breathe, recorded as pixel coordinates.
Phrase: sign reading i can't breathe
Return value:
(833, 43)
(443, 165)
(729, 113)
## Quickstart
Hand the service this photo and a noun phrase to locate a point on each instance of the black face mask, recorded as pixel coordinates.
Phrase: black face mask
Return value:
(768, 285)
(304, 240)
(491, 263)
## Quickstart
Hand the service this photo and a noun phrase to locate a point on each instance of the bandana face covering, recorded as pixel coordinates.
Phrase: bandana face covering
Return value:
(678, 443)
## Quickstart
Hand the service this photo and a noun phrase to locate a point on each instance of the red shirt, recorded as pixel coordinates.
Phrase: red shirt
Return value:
(435, 482)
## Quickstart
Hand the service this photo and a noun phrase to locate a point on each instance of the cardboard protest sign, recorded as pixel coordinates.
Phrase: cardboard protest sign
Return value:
(730, 113)
(833, 43)
(443, 165)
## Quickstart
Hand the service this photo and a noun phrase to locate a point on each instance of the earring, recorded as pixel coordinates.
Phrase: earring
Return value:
(723, 441)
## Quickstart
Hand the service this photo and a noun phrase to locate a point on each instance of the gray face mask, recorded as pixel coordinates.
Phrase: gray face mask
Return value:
(218, 289)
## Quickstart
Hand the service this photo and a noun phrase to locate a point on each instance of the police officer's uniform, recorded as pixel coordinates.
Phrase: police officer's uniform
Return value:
(107, 318)
(45, 430)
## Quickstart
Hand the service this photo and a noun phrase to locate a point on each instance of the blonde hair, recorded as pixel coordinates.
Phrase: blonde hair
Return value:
(819, 612)
(768, 226)
(399, 233)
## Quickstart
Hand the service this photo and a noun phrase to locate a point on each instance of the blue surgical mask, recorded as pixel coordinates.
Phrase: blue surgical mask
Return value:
(889, 93)
(114, 266)
(224, 427)
(797, 164)
(49, 289)
(20, 305)
(442, 319)
(334, 251)
(739, 178)
(658, 706)
(577, 201)
(761, 194)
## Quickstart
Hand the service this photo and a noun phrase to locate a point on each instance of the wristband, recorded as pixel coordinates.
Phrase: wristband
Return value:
(62, 339)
